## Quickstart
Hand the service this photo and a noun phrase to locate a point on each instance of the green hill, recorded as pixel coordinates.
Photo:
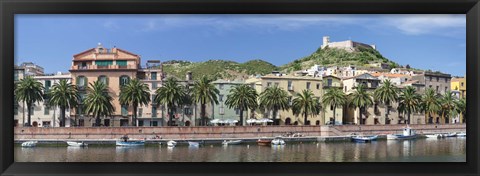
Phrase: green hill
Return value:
(217, 68)
(361, 56)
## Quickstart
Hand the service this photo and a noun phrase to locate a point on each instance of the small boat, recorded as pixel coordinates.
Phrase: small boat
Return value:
(264, 141)
(364, 138)
(278, 141)
(408, 133)
(462, 134)
(77, 144)
(193, 144)
(130, 143)
(434, 135)
(451, 134)
(29, 144)
(171, 143)
(231, 142)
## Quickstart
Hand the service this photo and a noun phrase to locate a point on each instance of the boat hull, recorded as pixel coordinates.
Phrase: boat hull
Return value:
(401, 137)
(130, 143)
(77, 144)
(364, 138)
(264, 142)
(29, 144)
(236, 142)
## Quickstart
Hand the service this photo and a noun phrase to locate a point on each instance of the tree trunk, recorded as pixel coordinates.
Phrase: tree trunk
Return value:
(386, 112)
(241, 116)
(274, 116)
(134, 115)
(62, 114)
(334, 118)
(170, 120)
(360, 116)
(29, 106)
(305, 117)
(427, 114)
(409, 117)
(202, 114)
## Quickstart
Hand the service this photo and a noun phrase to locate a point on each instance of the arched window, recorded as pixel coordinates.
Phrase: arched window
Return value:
(124, 80)
(103, 79)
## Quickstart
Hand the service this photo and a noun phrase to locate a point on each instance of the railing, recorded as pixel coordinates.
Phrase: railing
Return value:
(94, 67)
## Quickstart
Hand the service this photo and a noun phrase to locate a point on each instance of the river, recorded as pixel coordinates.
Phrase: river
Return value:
(418, 150)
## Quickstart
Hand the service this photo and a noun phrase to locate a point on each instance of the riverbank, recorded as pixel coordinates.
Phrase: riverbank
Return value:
(108, 135)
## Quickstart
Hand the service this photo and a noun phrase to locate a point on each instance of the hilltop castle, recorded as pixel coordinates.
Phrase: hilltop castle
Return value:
(347, 45)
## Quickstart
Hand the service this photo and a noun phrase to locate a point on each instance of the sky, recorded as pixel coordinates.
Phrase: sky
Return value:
(435, 42)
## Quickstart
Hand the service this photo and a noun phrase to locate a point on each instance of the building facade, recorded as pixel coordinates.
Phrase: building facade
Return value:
(439, 82)
(460, 85)
(31, 69)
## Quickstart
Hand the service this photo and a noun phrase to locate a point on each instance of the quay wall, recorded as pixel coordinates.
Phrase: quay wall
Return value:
(59, 133)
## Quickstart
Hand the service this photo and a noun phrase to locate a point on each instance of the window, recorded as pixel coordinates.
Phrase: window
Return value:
(124, 110)
(46, 123)
(461, 84)
(15, 76)
(101, 64)
(437, 89)
(430, 78)
(154, 111)
(430, 86)
(276, 84)
(103, 79)
(269, 84)
(187, 111)
(154, 85)
(46, 110)
(220, 86)
(329, 82)
(153, 98)
(140, 112)
(154, 123)
(154, 76)
(15, 109)
(290, 100)
(81, 81)
(48, 83)
(308, 85)
(124, 80)
(237, 111)
(289, 84)
(106, 122)
(446, 80)
(345, 88)
(220, 97)
(318, 86)
(140, 123)
(222, 110)
(446, 88)
(121, 63)
(331, 107)
(437, 78)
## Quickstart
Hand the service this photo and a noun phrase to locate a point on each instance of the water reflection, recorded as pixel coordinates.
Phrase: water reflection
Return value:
(449, 149)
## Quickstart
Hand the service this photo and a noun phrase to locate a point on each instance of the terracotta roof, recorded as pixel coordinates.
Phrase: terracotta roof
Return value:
(390, 75)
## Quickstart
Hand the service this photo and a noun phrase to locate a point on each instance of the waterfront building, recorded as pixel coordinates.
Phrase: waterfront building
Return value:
(221, 111)
(293, 85)
(396, 79)
(459, 84)
(332, 82)
(115, 67)
(151, 75)
(439, 82)
(188, 114)
(31, 69)
(43, 115)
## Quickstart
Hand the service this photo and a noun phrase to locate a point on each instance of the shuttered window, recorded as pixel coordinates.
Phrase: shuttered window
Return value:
(121, 62)
(104, 63)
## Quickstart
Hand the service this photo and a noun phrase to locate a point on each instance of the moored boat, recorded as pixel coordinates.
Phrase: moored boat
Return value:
(408, 133)
(434, 135)
(193, 144)
(278, 141)
(130, 143)
(29, 144)
(77, 144)
(231, 142)
(171, 143)
(264, 142)
(462, 134)
(451, 134)
(364, 138)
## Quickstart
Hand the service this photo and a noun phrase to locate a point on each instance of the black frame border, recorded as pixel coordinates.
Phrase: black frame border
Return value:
(8, 8)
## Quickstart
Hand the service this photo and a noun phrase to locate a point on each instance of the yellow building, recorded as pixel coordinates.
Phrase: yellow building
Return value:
(459, 84)
(293, 85)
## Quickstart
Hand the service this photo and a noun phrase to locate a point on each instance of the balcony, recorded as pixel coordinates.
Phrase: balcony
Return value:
(108, 67)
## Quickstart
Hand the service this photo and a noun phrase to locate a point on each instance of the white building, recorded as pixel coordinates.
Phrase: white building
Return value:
(42, 115)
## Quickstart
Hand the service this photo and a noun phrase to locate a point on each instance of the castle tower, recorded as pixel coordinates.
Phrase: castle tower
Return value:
(326, 40)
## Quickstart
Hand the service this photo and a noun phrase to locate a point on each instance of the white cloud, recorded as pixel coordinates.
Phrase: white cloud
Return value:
(428, 24)
(111, 25)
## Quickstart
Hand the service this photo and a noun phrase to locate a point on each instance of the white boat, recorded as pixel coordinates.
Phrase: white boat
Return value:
(462, 134)
(408, 133)
(193, 144)
(434, 135)
(451, 134)
(77, 144)
(130, 143)
(364, 138)
(29, 144)
(231, 142)
(171, 143)
(278, 141)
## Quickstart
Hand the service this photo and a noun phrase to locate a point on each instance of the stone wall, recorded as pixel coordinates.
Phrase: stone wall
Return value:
(108, 133)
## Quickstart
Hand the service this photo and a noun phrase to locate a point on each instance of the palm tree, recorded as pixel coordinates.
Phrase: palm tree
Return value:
(242, 97)
(305, 103)
(171, 94)
(98, 101)
(361, 99)
(204, 92)
(448, 104)
(334, 97)
(387, 93)
(409, 101)
(274, 98)
(135, 93)
(461, 108)
(430, 103)
(29, 91)
(65, 95)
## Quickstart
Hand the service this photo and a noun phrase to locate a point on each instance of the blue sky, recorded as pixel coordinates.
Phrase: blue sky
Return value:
(435, 42)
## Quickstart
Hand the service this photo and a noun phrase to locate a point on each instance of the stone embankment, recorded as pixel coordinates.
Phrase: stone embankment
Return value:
(217, 133)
